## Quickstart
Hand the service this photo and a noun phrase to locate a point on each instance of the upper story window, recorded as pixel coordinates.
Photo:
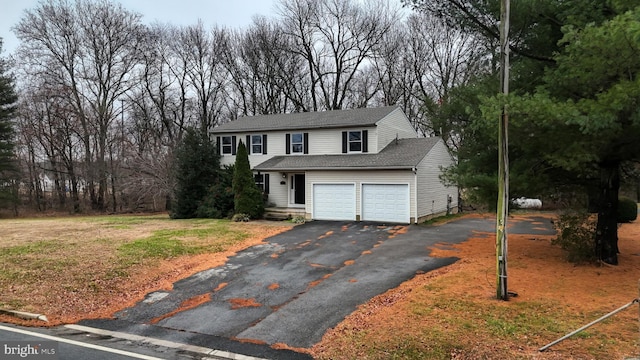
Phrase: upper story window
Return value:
(297, 143)
(226, 145)
(257, 144)
(355, 141)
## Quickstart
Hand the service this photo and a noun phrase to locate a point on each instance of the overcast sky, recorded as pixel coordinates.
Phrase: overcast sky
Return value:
(230, 13)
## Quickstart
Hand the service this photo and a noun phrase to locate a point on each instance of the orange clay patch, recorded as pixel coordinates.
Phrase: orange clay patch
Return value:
(273, 286)
(301, 245)
(238, 303)
(283, 346)
(349, 262)
(353, 280)
(366, 252)
(185, 305)
(220, 286)
(249, 341)
(328, 233)
(316, 265)
(275, 255)
(344, 228)
(316, 282)
(398, 229)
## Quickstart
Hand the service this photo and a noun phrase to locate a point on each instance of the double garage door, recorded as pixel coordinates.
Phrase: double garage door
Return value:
(379, 202)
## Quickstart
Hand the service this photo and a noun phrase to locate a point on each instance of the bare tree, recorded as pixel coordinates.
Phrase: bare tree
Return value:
(264, 77)
(336, 39)
(199, 51)
(88, 48)
(442, 58)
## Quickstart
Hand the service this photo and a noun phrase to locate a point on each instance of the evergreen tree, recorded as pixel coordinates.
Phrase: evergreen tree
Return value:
(247, 197)
(197, 170)
(573, 108)
(8, 166)
(219, 201)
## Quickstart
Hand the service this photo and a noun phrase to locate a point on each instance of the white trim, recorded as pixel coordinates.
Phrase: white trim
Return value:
(415, 196)
(251, 152)
(291, 152)
(290, 195)
(230, 145)
(349, 151)
(408, 189)
(355, 197)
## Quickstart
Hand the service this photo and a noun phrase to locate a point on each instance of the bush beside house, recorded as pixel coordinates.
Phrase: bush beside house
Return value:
(247, 197)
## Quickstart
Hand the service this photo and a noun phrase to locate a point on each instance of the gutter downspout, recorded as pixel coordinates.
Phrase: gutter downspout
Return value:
(415, 191)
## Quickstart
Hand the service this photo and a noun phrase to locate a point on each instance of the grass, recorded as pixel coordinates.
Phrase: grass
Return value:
(53, 265)
(441, 219)
(165, 244)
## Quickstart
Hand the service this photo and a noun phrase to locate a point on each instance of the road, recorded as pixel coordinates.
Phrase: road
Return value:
(66, 343)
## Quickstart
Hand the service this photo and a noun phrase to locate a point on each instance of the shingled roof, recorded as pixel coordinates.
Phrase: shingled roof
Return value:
(399, 154)
(307, 120)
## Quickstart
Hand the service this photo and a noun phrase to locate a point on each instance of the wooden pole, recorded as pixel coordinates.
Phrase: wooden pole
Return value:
(503, 158)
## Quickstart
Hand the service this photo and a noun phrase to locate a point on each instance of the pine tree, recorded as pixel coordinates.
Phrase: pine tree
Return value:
(197, 170)
(8, 166)
(247, 197)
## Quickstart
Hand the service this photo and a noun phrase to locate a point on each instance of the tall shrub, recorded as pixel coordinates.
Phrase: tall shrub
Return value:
(197, 169)
(247, 197)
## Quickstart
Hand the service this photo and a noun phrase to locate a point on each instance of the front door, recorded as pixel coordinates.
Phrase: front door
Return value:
(297, 189)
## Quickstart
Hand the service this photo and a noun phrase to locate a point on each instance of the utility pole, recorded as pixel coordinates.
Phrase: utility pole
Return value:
(503, 158)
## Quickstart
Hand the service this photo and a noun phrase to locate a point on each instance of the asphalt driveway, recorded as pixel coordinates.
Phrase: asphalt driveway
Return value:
(296, 286)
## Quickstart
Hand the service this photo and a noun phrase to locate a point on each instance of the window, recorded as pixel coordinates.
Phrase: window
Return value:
(227, 145)
(355, 141)
(297, 143)
(262, 181)
(256, 144)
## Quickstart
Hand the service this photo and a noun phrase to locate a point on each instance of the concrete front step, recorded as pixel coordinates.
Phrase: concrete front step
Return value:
(276, 216)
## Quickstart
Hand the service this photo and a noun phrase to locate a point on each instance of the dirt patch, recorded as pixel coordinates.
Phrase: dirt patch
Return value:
(316, 282)
(273, 286)
(184, 306)
(220, 286)
(239, 303)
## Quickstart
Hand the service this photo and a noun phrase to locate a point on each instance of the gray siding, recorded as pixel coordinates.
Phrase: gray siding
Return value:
(278, 193)
(432, 194)
(392, 125)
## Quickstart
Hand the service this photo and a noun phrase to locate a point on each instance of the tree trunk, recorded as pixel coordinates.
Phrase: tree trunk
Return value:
(607, 227)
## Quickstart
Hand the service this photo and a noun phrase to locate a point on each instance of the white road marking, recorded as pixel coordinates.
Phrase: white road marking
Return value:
(78, 343)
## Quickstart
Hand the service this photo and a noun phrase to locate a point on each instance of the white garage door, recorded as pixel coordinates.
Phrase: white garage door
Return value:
(334, 201)
(385, 202)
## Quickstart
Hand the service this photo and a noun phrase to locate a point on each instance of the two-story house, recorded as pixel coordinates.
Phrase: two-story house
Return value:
(361, 164)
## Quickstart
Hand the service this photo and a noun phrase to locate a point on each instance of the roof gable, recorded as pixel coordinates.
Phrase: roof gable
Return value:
(307, 120)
